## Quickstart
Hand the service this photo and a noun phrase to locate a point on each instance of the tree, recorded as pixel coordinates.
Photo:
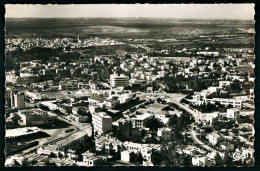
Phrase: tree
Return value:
(153, 124)
(236, 86)
(156, 157)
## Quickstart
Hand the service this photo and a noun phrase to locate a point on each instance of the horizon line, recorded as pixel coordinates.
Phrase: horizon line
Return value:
(128, 17)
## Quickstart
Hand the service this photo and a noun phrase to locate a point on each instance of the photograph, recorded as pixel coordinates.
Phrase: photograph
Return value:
(129, 85)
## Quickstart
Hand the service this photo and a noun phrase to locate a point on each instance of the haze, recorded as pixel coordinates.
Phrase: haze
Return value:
(193, 11)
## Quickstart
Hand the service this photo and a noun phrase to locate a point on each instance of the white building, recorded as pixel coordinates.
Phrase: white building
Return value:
(138, 121)
(90, 159)
(207, 118)
(34, 117)
(17, 100)
(207, 53)
(233, 113)
(224, 83)
(201, 161)
(119, 80)
(126, 155)
(214, 138)
(102, 122)
(235, 103)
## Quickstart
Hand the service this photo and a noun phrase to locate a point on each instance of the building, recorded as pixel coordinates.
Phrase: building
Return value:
(224, 83)
(102, 122)
(124, 98)
(32, 117)
(235, 103)
(233, 113)
(91, 159)
(207, 118)
(132, 146)
(96, 101)
(59, 146)
(107, 144)
(200, 160)
(119, 80)
(18, 132)
(126, 156)
(215, 138)
(226, 146)
(164, 133)
(138, 121)
(124, 128)
(17, 100)
(208, 53)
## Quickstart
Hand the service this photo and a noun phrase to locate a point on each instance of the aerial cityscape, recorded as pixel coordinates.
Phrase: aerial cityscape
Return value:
(129, 91)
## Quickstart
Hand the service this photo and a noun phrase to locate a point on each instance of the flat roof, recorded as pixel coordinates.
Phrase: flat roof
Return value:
(9, 133)
(66, 141)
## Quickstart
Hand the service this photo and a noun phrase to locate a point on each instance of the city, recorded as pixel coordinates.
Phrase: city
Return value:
(129, 92)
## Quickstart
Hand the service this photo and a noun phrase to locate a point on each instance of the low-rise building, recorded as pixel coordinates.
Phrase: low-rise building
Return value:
(17, 100)
(139, 121)
(91, 159)
(207, 118)
(226, 146)
(164, 133)
(201, 161)
(215, 138)
(32, 117)
(233, 113)
(126, 156)
(60, 146)
(235, 103)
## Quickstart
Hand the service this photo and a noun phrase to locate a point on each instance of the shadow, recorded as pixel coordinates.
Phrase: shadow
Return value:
(57, 124)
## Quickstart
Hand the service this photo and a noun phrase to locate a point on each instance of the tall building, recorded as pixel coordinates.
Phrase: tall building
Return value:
(119, 80)
(102, 123)
(17, 100)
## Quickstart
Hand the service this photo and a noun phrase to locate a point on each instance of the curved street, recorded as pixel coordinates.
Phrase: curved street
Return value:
(192, 132)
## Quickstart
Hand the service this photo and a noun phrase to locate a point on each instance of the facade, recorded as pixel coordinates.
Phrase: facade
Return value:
(208, 53)
(226, 146)
(58, 148)
(138, 121)
(102, 122)
(17, 100)
(164, 133)
(119, 80)
(126, 155)
(32, 117)
(235, 103)
(124, 127)
(90, 159)
(214, 138)
(233, 113)
(207, 118)
(201, 161)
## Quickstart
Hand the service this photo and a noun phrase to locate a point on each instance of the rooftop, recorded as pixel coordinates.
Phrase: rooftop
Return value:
(21, 131)
(97, 98)
(67, 140)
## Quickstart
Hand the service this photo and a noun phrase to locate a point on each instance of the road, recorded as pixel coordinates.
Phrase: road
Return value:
(78, 126)
(192, 132)
(195, 139)
(164, 96)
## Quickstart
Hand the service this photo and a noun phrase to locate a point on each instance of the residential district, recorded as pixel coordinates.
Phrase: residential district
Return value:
(128, 109)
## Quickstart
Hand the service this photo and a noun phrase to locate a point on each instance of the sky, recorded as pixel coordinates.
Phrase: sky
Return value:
(198, 11)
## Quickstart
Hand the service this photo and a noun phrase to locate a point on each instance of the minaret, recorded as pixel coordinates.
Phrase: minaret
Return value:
(78, 39)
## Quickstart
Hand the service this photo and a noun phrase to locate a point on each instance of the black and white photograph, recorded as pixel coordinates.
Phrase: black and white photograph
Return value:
(168, 85)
